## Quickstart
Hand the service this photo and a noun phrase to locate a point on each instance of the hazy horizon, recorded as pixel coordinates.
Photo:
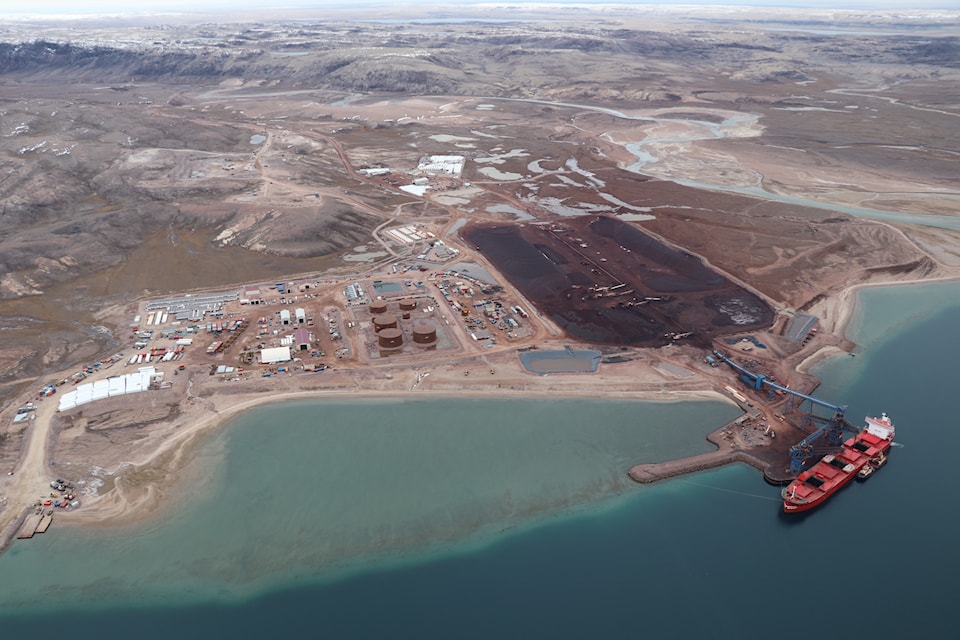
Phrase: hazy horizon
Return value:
(68, 7)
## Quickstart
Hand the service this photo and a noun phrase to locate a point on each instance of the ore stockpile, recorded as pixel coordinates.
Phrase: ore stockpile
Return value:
(607, 282)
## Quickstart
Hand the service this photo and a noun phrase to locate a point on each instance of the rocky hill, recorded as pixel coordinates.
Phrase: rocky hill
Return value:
(163, 157)
(520, 60)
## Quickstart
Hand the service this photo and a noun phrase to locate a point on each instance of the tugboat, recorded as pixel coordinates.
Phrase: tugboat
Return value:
(867, 449)
(870, 467)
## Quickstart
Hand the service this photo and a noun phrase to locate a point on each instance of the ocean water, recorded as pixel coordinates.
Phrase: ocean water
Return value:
(559, 543)
(308, 491)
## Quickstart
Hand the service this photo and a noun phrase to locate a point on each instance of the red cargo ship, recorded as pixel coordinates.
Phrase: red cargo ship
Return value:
(867, 449)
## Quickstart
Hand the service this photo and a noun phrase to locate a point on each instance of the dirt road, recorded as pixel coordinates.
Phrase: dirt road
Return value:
(27, 483)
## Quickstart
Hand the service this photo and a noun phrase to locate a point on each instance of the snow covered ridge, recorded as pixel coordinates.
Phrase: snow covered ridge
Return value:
(75, 47)
(42, 148)
(35, 147)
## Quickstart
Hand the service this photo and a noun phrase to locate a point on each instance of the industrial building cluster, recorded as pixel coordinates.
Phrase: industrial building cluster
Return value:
(403, 320)
(305, 325)
(480, 307)
(442, 167)
(408, 324)
(450, 165)
(300, 339)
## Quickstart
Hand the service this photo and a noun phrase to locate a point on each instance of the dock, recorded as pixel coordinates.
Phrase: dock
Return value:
(34, 524)
(44, 523)
(646, 473)
(29, 526)
(767, 458)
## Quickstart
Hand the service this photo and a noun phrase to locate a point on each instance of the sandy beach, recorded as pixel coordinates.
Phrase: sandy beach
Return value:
(144, 474)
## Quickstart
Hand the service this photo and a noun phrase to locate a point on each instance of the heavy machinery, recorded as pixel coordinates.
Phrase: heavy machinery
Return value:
(826, 439)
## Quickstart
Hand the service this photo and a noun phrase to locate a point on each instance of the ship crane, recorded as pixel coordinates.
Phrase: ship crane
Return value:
(829, 437)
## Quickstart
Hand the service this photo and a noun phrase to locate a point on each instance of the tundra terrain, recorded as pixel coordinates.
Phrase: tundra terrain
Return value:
(161, 154)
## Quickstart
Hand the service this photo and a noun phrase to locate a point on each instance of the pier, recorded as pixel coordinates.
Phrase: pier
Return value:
(747, 439)
(34, 524)
(647, 473)
(44, 523)
(29, 527)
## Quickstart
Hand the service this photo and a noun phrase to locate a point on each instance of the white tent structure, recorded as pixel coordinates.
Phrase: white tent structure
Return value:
(114, 386)
(275, 355)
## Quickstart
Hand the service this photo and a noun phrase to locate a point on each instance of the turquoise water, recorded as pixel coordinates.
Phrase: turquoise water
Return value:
(308, 490)
(704, 556)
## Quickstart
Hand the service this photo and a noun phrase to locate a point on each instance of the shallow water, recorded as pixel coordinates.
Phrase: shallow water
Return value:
(309, 490)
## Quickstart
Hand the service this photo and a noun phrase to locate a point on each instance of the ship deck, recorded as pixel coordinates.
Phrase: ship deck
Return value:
(828, 475)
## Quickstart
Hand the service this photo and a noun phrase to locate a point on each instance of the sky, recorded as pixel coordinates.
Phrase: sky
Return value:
(9, 7)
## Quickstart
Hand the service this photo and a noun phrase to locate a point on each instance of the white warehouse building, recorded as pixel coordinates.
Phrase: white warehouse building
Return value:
(452, 165)
(275, 355)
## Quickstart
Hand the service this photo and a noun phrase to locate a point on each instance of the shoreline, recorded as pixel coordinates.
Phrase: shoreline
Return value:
(122, 504)
(846, 306)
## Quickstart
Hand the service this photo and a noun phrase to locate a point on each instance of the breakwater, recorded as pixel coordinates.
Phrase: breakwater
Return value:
(647, 473)
(747, 439)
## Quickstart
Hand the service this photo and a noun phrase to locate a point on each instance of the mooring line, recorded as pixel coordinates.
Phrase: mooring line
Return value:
(741, 493)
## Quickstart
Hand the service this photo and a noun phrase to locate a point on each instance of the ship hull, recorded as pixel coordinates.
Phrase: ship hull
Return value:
(813, 487)
(794, 507)
(791, 506)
